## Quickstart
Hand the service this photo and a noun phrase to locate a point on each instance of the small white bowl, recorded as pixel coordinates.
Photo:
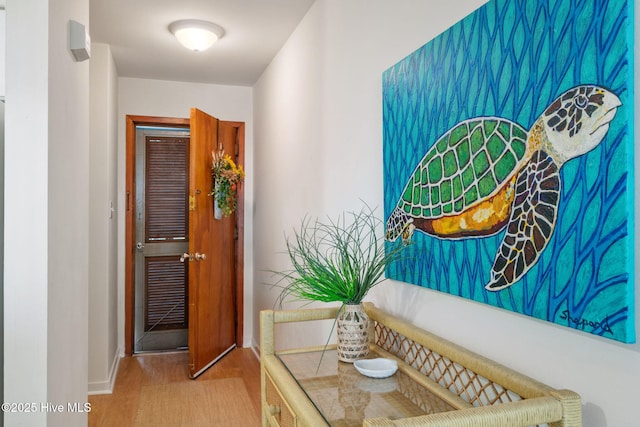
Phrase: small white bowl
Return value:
(376, 368)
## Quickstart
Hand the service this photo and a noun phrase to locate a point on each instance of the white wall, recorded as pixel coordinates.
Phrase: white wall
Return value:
(2, 93)
(26, 166)
(174, 99)
(2, 254)
(103, 333)
(68, 216)
(3, 56)
(318, 141)
(46, 216)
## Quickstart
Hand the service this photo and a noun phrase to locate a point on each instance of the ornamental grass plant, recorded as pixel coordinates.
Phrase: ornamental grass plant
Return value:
(338, 260)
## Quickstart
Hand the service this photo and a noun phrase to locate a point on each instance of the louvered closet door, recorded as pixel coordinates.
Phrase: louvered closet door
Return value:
(162, 228)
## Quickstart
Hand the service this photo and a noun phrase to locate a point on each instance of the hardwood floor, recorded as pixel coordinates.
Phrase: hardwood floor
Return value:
(155, 390)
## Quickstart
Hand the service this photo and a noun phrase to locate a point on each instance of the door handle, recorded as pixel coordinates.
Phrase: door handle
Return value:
(191, 257)
(139, 246)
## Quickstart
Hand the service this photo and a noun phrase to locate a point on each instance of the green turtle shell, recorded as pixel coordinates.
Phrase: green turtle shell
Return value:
(466, 165)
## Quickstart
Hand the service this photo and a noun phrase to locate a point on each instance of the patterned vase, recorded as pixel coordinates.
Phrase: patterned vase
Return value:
(217, 210)
(353, 333)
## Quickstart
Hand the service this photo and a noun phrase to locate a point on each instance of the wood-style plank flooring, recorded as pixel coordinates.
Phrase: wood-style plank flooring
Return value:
(155, 390)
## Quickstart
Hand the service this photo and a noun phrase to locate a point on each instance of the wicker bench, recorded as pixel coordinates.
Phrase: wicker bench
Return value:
(482, 392)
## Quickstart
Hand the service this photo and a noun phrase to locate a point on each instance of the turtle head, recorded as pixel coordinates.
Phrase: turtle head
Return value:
(578, 120)
(399, 224)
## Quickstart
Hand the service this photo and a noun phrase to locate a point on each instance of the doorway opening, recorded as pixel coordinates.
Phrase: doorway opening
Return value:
(150, 251)
(162, 237)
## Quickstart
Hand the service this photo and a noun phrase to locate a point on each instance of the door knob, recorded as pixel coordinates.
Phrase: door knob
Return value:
(186, 256)
(139, 246)
(200, 257)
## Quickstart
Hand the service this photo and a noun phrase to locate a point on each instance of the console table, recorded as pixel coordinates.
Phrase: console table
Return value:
(438, 383)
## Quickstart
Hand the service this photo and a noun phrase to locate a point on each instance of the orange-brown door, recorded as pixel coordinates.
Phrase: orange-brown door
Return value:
(212, 302)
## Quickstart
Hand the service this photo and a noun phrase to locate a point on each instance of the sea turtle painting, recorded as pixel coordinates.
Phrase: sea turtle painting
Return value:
(487, 174)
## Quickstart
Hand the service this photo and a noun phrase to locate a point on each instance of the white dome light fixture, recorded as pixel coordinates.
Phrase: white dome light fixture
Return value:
(196, 35)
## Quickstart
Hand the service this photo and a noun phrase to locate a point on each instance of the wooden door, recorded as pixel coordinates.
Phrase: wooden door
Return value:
(212, 329)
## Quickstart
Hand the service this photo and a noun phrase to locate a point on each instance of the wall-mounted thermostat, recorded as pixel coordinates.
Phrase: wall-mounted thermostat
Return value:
(79, 41)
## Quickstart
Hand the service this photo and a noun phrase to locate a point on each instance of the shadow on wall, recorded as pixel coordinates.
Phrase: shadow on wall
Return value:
(395, 302)
(594, 414)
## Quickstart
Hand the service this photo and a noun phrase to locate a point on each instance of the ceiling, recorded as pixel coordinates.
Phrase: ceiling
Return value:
(143, 47)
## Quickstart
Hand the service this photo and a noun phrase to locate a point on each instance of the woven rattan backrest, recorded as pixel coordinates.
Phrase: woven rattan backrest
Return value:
(474, 378)
(470, 386)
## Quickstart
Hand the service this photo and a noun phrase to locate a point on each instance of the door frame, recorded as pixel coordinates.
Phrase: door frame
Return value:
(132, 122)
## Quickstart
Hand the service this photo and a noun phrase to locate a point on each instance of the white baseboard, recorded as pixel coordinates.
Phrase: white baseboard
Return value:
(106, 387)
(256, 352)
(255, 348)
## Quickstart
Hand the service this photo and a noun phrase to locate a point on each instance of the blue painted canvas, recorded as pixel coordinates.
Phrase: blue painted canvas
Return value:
(508, 162)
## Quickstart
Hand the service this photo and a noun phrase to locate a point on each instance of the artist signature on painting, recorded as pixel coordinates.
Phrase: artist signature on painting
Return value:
(582, 323)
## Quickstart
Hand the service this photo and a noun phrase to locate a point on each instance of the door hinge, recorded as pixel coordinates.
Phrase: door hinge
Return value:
(192, 203)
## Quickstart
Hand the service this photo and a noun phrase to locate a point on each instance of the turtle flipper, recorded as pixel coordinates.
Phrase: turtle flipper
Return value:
(532, 221)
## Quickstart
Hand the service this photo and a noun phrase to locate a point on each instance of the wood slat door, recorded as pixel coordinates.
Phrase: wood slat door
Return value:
(212, 279)
(162, 186)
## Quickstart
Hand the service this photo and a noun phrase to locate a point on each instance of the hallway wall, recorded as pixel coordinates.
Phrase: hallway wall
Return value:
(143, 97)
(103, 206)
(2, 94)
(318, 140)
(46, 213)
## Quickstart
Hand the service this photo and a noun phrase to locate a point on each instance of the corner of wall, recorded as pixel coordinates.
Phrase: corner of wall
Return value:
(106, 387)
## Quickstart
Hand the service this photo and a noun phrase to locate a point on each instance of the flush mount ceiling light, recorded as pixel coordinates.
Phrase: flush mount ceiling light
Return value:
(196, 35)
